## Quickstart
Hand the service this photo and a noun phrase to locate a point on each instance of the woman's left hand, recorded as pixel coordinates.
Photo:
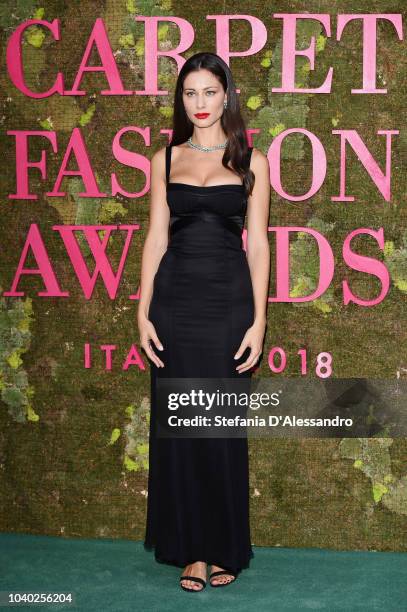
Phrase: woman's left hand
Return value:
(254, 339)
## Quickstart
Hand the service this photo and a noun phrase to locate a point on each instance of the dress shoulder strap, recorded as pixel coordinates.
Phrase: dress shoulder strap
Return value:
(168, 151)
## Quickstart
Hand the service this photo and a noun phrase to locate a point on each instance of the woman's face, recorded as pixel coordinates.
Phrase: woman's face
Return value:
(203, 95)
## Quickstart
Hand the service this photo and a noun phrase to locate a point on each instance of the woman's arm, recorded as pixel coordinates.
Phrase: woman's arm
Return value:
(258, 257)
(155, 245)
(258, 250)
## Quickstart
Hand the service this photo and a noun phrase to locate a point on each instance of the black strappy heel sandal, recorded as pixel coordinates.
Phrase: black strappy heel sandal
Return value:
(194, 579)
(222, 573)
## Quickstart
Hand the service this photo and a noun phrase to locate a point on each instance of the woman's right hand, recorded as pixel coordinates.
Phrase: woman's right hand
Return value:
(147, 333)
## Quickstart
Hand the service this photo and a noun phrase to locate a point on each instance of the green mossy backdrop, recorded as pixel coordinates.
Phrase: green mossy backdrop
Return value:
(74, 442)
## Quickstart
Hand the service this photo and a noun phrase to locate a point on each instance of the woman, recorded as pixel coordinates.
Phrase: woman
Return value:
(203, 308)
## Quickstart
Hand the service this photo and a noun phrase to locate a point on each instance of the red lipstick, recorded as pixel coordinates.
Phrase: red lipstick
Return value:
(201, 115)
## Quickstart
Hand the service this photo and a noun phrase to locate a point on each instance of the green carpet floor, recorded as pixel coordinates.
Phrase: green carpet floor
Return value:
(119, 575)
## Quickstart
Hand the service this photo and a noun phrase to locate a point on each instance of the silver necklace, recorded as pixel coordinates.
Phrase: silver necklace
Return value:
(206, 149)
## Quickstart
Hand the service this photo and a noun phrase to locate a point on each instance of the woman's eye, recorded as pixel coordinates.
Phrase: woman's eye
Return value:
(191, 93)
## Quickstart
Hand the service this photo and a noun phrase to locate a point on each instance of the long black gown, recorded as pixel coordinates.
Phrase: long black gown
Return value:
(201, 307)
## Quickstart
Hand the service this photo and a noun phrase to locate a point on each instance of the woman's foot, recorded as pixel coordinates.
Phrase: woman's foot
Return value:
(220, 579)
(197, 569)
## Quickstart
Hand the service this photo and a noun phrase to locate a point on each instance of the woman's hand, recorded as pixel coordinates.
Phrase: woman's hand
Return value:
(254, 339)
(148, 333)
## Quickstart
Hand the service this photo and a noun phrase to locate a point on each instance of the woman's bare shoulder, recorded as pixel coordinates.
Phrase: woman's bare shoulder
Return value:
(258, 156)
(158, 156)
(259, 162)
(180, 150)
(158, 162)
(158, 165)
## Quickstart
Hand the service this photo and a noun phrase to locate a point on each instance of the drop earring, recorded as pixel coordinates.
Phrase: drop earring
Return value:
(225, 104)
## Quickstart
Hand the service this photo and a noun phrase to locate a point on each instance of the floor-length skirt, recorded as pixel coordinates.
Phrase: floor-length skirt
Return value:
(198, 488)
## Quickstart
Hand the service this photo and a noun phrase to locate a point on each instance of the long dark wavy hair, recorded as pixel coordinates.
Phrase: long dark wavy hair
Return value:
(232, 122)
